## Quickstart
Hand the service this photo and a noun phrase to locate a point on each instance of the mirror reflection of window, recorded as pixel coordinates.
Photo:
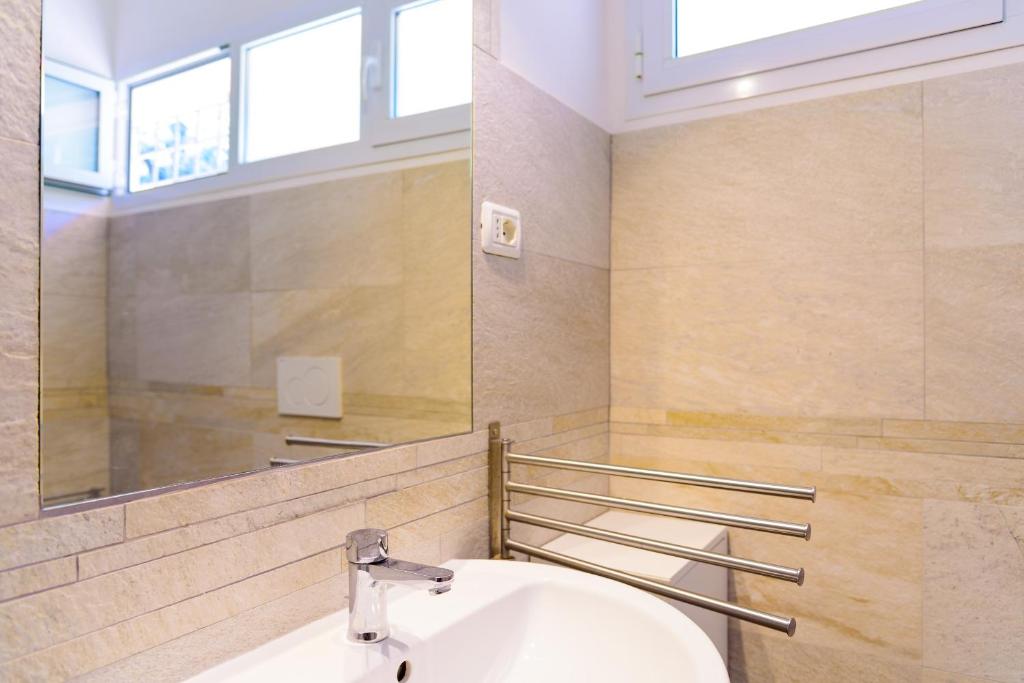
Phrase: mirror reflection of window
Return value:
(72, 126)
(431, 39)
(180, 126)
(302, 88)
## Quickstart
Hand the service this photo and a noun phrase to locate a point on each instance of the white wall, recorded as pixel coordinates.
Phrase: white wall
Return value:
(80, 33)
(559, 46)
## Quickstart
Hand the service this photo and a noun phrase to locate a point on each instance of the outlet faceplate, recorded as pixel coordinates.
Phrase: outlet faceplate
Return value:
(501, 230)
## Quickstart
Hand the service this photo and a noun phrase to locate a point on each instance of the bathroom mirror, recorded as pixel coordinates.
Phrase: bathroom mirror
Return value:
(255, 235)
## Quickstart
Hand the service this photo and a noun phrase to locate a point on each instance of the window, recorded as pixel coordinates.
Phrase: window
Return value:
(432, 38)
(77, 127)
(180, 126)
(690, 43)
(302, 88)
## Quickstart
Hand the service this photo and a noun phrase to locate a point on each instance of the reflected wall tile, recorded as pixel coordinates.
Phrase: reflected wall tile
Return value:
(762, 184)
(362, 325)
(194, 339)
(536, 155)
(195, 249)
(74, 254)
(75, 452)
(837, 336)
(329, 235)
(975, 349)
(74, 341)
(175, 453)
(973, 592)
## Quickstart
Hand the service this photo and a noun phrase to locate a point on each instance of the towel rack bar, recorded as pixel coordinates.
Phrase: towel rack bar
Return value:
(795, 575)
(766, 488)
(785, 624)
(332, 443)
(738, 521)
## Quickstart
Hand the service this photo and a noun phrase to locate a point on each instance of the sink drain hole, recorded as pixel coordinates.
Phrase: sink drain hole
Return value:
(404, 669)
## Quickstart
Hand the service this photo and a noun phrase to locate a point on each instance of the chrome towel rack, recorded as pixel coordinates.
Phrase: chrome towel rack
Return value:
(501, 458)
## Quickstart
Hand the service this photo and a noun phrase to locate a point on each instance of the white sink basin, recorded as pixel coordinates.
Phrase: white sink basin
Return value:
(501, 621)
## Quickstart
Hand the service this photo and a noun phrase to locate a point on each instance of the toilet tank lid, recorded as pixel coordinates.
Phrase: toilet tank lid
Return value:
(650, 564)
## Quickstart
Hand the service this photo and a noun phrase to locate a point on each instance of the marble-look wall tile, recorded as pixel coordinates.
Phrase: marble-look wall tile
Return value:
(54, 537)
(424, 499)
(974, 157)
(329, 235)
(538, 156)
(973, 592)
(763, 185)
(198, 650)
(74, 254)
(362, 325)
(20, 48)
(163, 544)
(759, 657)
(544, 349)
(833, 336)
(975, 342)
(86, 606)
(72, 658)
(194, 339)
(74, 341)
(436, 296)
(19, 273)
(74, 451)
(195, 249)
(151, 515)
(37, 577)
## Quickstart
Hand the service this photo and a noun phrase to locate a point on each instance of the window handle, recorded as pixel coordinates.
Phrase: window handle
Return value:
(371, 71)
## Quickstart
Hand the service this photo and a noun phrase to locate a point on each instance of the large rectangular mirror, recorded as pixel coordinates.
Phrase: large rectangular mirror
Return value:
(255, 235)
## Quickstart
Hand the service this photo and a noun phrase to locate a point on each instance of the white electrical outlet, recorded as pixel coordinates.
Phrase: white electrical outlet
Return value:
(501, 230)
(309, 386)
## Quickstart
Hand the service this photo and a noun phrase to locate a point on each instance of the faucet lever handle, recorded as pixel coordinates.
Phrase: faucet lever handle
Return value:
(366, 546)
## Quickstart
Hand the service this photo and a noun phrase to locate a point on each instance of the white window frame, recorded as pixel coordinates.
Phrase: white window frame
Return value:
(101, 179)
(896, 38)
(384, 141)
(379, 84)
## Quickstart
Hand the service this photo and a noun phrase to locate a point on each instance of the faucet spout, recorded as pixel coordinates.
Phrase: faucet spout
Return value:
(370, 572)
(435, 579)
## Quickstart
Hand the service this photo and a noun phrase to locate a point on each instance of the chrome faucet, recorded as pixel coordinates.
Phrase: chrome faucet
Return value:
(370, 572)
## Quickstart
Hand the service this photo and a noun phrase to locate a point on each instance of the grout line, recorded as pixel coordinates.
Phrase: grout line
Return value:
(924, 267)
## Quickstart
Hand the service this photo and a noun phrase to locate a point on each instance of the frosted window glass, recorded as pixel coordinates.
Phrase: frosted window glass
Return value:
(180, 126)
(703, 25)
(433, 56)
(71, 131)
(303, 90)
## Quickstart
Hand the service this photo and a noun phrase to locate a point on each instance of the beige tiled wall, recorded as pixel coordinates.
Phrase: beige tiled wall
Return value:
(158, 588)
(830, 293)
(204, 298)
(75, 438)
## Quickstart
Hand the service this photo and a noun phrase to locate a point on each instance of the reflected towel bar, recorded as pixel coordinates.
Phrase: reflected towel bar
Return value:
(332, 443)
(501, 515)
